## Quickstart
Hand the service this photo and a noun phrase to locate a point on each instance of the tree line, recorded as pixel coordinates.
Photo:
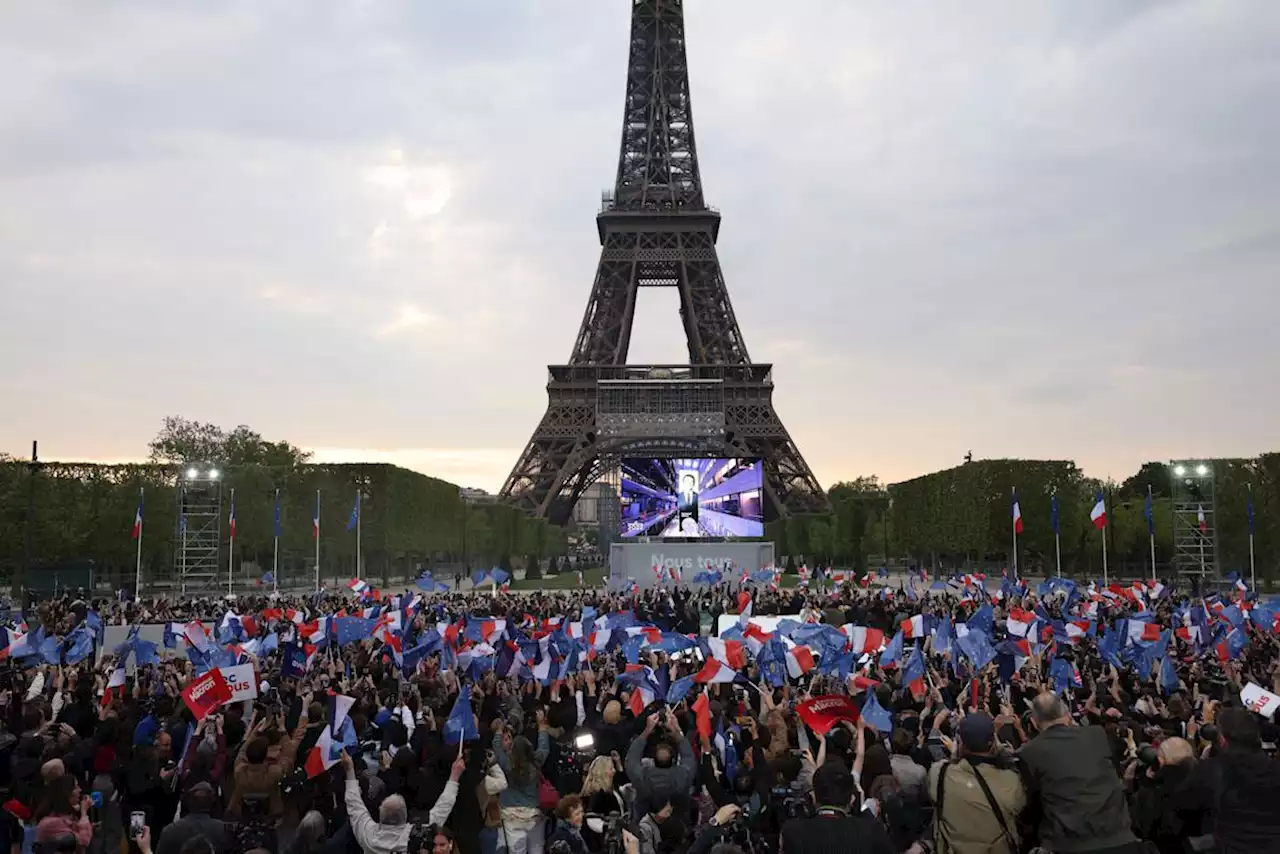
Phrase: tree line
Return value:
(85, 511)
(963, 517)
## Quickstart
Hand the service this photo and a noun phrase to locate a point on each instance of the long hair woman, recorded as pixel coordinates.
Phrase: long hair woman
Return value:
(522, 820)
(64, 810)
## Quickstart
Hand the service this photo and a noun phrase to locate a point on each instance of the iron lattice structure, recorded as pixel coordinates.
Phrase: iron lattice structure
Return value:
(1194, 544)
(656, 230)
(199, 541)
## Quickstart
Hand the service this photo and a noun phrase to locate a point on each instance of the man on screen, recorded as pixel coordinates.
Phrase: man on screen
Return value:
(687, 507)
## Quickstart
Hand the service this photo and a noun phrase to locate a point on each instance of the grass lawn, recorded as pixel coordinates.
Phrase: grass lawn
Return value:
(567, 580)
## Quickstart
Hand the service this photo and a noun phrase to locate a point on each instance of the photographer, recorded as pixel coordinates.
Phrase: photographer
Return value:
(978, 797)
(254, 775)
(1163, 804)
(668, 776)
(839, 827)
(1240, 786)
(1068, 771)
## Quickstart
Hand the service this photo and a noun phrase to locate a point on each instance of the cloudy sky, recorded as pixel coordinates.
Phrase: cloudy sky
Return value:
(1031, 229)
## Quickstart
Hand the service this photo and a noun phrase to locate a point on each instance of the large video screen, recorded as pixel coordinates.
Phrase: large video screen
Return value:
(692, 499)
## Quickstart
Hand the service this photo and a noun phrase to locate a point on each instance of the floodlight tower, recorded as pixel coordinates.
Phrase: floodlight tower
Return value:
(1194, 528)
(199, 537)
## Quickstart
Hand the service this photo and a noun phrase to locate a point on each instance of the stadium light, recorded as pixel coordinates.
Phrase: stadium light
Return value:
(1179, 470)
(213, 474)
(192, 474)
(1202, 469)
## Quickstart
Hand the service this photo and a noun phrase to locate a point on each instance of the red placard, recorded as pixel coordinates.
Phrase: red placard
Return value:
(205, 694)
(822, 713)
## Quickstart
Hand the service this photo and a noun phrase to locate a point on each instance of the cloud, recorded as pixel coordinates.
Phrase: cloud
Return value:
(1021, 228)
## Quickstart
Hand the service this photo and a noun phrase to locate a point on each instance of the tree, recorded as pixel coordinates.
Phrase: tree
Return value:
(1155, 475)
(184, 441)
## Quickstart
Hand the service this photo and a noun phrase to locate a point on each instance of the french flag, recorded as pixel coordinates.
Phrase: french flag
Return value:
(1019, 622)
(1139, 631)
(357, 586)
(744, 606)
(756, 637)
(914, 627)
(115, 686)
(1078, 629)
(728, 652)
(863, 639)
(231, 517)
(1098, 515)
(319, 759)
(1200, 520)
(713, 672)
(315, 520)
(1017, 514)
(137, 518)
(799, 661)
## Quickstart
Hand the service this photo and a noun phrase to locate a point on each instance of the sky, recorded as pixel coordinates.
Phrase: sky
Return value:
(1038, 230)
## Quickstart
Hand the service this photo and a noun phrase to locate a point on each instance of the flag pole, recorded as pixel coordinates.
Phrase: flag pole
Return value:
(1253, 580)
(1057, 537)
(1105, 578)
(275, 547)
(137, 570)
(231, 547)
(358, 515)
(317, 532)
(1014, 494)
(1151, 531)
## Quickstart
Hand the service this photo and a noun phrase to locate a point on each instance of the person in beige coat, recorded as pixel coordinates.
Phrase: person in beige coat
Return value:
(964, 820)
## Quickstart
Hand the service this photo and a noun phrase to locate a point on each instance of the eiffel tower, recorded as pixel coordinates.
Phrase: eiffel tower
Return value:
(657, 231)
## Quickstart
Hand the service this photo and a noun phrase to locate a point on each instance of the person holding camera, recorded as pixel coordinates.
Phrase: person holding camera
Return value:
(839, 827)
(1163, 802)
(254, 775)
(1239, 785)
(669, 776)
(978, 797)
(1069, 773)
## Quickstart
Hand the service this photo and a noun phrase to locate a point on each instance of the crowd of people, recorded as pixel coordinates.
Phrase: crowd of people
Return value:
(970, 715)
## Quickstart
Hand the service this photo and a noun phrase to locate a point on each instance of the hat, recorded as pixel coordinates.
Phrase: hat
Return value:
(977, 732)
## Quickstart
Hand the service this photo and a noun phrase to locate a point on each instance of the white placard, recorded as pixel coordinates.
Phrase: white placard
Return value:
(242, 681)
(1260, 700)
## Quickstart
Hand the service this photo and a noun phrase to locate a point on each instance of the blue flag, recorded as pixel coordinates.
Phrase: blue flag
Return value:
(79, 646)
(1148, 513)
(354, 518)
(876, 715)
(353, 629)
(461, 723)
(278, 529)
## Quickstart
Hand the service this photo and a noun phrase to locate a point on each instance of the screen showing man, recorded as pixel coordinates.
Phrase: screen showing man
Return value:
(692, 498)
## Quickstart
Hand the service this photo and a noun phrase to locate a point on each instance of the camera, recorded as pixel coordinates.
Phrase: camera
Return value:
(1149, 756)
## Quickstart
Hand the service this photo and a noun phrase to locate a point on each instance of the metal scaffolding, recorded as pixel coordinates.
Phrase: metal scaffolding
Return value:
(199, 539)
(1194, 531)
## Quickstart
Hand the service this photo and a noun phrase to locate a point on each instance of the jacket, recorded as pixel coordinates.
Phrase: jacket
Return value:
(175, 835)
(1070, 771)
(1240, 789)
(52, 826)
(654, 785)
(264, 778)
(521, 793)
(375, 838)
(966, 824)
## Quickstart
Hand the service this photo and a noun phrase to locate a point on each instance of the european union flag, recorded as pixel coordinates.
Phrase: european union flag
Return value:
(461, 723)
(353, 629)
(876, 715)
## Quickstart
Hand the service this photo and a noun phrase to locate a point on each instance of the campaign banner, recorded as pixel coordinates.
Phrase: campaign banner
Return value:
(822, 713)
(205, 694)
(241, 680)
(1260, 701)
